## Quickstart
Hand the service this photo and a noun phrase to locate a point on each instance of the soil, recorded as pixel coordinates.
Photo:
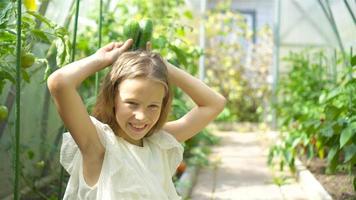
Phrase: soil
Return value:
(338, 185)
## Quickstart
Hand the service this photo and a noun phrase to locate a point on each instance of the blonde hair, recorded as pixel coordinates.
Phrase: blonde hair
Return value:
(131, 65)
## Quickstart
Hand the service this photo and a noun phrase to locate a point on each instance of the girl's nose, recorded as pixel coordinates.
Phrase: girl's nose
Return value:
(140, 115)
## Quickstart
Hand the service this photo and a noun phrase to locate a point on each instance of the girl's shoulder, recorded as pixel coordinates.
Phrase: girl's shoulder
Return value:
(164, 140)
(105, 133)
(170, 147)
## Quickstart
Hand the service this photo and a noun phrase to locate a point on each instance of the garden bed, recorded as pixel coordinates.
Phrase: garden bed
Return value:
(338, 185)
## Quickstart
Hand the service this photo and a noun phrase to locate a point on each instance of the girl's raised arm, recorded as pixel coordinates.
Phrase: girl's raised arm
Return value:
(63, 85)
(208, 105)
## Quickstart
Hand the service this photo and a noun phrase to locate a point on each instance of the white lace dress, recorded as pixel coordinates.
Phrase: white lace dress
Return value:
(129, 172)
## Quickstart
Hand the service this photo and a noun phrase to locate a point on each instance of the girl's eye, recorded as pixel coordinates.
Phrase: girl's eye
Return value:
(132, 104)
(153, 107)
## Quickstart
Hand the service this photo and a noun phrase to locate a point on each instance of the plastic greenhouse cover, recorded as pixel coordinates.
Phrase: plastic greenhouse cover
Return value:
(304, 23)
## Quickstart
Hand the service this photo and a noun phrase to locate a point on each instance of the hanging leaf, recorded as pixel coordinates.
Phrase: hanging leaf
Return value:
(347, 134)
(63, 51)
(60, 52)
(350, 152)
(42, 19)
(332, 159)
(25, 75)
(30, 5)
(40, 35)
(60, 32)
(5, 13)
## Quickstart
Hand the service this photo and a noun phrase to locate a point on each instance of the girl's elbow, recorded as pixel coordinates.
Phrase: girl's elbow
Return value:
(56, 82)
(221, 102)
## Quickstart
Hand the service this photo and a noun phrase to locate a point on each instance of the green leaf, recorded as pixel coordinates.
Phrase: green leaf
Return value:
(332, 159)
(181, 55)
(188, 14)
(331, 112)
(60, 51)
(347, 134)
(60, 32)
(6, 35)
(6, 75)
(322, 98)
(333, 93)
(25, 75)
(48, 70)
(353, 61)
(327, 131)
(30, 154)
(160, 42)
(40, 35)
(42, 19)
(180, 31)
(350, 152)
(5, 12)
(63, 51)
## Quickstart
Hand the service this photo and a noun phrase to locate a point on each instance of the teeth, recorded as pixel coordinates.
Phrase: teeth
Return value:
(136, 126)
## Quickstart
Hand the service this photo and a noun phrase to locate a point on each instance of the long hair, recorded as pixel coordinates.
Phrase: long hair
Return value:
(130, 65)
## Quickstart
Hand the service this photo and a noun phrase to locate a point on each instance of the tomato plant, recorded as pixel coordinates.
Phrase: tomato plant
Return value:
(316, 113)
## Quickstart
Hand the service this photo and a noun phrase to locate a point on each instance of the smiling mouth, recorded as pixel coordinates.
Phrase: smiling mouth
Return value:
(138, 128)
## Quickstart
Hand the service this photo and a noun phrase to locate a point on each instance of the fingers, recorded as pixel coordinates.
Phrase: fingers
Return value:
(126, 45)
(109, 46)
(123, 46)
(113, 45)
(148, 46)
(118, 44)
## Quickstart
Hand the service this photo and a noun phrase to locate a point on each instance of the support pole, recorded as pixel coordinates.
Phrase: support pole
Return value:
(202, 40)
(18, 97)
(275, 71)
(99, 44)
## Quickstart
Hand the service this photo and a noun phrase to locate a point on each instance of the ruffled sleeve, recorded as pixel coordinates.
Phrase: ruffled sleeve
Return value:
(70, 153)
(171, 147)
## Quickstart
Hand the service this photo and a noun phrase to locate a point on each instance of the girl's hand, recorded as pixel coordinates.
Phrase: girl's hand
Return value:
(109, 53)
(148, 46)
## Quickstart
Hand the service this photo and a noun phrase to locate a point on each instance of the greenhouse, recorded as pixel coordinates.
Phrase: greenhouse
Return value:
(178, 99)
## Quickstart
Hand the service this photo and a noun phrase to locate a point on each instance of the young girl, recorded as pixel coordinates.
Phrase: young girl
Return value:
(127, 150)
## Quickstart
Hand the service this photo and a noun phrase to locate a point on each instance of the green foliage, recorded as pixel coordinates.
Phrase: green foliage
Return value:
(36, 31)
(317, 116)
(228, 69)
(32, 34)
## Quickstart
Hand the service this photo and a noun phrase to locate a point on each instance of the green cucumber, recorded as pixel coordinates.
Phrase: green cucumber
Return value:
(146, 33)
(140, 32)
(132, 30)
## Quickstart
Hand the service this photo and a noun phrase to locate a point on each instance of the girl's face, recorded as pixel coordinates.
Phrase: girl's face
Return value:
(138, 104)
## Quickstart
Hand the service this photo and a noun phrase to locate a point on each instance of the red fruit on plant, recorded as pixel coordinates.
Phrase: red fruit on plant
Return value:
(182, 167)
